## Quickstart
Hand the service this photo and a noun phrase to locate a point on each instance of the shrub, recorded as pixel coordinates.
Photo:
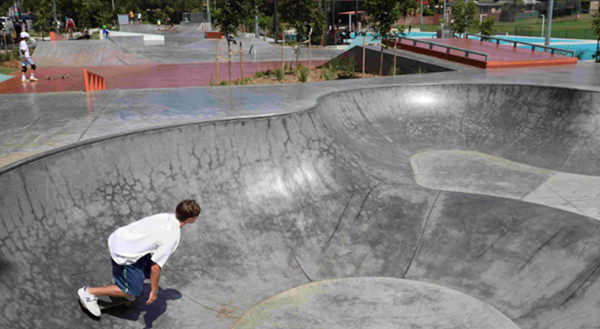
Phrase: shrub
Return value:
(259, 74)
(247, 80)
(420, 70)
(398, 71)
(581, 53)
(211, 82)
(304, 71)
(335, 64)
(328, 74)
(279, 74)
(346, 66)
(223, 83)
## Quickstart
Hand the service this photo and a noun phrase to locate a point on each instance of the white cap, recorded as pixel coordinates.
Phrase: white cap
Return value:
(24, 35)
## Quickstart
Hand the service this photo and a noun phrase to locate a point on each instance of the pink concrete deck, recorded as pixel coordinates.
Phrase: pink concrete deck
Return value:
(500, 56)
(137, 77)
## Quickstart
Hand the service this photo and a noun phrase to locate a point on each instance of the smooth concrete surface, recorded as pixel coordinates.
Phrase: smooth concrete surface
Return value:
(372, 303)
(85, 53)
(470, 172)
(300, 191)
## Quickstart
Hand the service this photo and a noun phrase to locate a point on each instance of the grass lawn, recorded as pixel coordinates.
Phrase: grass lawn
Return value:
(7, 70)
(562, 27)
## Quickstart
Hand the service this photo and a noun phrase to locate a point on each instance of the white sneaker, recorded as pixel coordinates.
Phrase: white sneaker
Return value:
(24, 80)
(33, 79)
(89, 301)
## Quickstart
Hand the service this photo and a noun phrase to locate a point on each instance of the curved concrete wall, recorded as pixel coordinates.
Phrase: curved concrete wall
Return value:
(326, 193)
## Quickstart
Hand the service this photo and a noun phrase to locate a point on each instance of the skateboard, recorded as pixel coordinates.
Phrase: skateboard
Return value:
(58, 76)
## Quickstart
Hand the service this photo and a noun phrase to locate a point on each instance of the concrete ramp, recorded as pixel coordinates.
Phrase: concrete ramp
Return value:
(85, 53)
(434, 206)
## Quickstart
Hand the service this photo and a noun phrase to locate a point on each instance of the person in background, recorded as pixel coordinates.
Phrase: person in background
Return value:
(26, 58)
(105, 31)
(70, 27)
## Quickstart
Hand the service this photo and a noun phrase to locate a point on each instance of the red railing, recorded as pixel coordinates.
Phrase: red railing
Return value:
(93, 81)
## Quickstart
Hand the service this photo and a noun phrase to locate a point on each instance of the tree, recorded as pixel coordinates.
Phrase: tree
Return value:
(407, 6)
(464, 16)
(303, 15)
(596, 28)
(383, 15)
(229, 15)
(510, 9)
(486, 27)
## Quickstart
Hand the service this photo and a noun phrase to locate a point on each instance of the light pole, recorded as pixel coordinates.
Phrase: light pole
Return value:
(207, 11)
(445, 19)
(543, 21)
(55, 18)
(549, 25)
(421, 25)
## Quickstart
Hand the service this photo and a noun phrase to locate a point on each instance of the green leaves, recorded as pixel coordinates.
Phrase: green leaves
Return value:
(464, 16)
(302, 15)
(487, 26)
(383, 15)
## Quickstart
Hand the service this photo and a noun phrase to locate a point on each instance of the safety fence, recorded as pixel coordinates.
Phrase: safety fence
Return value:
(93, 81)
(195, 17)
(536, 31)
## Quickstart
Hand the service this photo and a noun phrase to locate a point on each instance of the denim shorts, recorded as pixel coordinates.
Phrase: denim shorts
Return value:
(130, 278)
(26, 62)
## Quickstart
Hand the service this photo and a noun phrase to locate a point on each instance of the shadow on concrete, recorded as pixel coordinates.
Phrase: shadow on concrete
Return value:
(139, 308)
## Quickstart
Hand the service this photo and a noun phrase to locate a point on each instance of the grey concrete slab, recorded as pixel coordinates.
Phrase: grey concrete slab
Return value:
(189, 48)
(372, 303)
(307, 183)
(85, 53)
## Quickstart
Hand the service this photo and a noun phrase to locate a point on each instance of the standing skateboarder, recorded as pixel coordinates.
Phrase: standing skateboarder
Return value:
(137, 247)
(26, 58)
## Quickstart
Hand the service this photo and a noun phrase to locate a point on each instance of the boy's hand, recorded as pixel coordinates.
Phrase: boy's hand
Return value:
(152, 298)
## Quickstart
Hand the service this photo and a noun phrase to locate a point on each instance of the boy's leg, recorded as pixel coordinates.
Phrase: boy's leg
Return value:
(24, 71)
(33, 67)
(113, 290)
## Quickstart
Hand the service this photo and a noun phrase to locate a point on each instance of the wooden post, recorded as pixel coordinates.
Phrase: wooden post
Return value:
(309, 49)
(395, 43)
(297, 53)
(217, 82)
(5, 44)
(282, 50)
(229, 62)
(242, 62)
(364, 54)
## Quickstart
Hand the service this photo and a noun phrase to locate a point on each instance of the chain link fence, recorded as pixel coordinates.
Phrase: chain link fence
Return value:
(195, 17)
(536, 31)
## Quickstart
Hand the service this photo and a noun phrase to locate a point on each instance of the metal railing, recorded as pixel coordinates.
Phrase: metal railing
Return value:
(533, 46)
(448, 48)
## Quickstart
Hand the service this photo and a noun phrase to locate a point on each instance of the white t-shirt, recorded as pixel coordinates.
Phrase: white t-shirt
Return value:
(23, 45)
(157, 235)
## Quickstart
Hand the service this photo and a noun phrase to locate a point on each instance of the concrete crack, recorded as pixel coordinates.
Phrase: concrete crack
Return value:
(339, 222)
(571, 296)
(540, 248)
(422, 234)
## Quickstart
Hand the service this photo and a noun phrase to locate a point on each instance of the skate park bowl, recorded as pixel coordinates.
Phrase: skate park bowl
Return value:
(425, 206)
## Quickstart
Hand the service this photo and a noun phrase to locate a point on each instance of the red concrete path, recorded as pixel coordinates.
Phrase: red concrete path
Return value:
(500, 56)
(136, 77)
